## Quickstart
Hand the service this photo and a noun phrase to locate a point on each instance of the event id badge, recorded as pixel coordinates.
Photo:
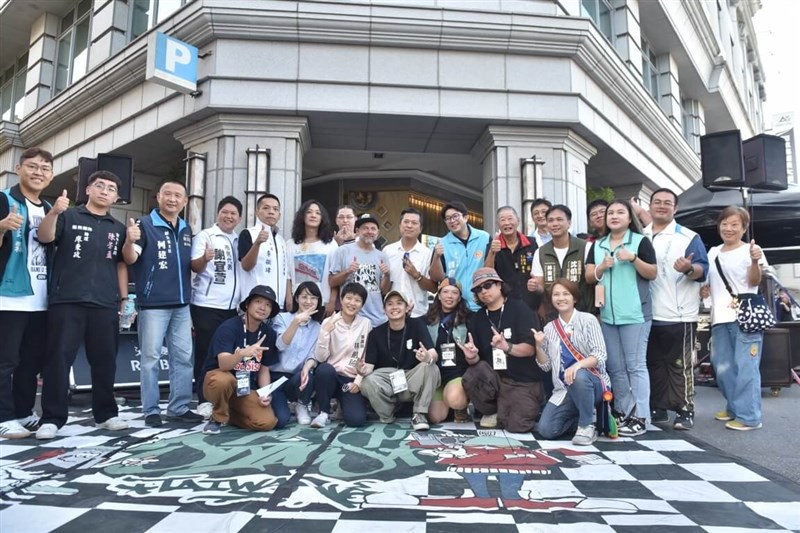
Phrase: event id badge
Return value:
(448, 354)
(399, 383)
(242, 383)
(499, 359)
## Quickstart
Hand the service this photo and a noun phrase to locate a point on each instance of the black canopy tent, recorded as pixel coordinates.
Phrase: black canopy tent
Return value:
(775, 218)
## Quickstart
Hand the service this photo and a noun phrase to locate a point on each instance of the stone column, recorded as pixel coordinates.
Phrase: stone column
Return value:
(501, 150)
(628, 33)
(231, 144)
(669, 89)
(695, 123)
(109, 28)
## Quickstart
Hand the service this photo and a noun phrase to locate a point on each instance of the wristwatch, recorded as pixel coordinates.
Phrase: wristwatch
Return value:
(690, 271)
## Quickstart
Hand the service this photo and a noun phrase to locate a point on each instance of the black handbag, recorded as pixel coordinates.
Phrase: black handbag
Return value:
(752, 312)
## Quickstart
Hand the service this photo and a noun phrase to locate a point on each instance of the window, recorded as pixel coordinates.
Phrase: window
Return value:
(649, 70)
(72, 58)
(600, 12)
(12, 90)
(145, 14)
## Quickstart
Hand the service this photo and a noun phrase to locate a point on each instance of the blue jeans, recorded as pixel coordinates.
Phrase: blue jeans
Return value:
(627, 367)
(578, 406)
(176, 325)
(736, 356)
(290, 391)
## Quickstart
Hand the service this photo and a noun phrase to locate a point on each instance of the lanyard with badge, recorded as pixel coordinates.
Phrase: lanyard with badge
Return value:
(398, 377)
(243, 376)
(499, 361)
(448, 349)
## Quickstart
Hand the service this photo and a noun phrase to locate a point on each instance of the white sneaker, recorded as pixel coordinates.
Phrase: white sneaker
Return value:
(46, 432)
(489, 421)
(205, 409)
(114, 423)
(301, 411)
(12, 429)
(320, 421)
(585, 435)
(30, 422)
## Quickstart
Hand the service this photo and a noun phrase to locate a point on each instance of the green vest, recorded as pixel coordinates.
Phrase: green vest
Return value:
(573, 268)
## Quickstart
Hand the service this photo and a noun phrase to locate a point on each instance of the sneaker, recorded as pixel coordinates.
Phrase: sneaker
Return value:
(212, 427)
(30, 422)
(723, 416)
(659, 416)
(46, 432)
(205, 409)
(114, 423)
(684, 420)
(419, 422)
(188, 416)
(320, 421)
(303, 417)
(489, 421)
(336, 410)
(741, 426)
(632, 427)
(585, 435)
(460, 416)
(12, 429)
(153, 421)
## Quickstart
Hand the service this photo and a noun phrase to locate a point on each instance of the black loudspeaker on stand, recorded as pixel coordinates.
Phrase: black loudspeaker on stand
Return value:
(758, 163)
(120, 165)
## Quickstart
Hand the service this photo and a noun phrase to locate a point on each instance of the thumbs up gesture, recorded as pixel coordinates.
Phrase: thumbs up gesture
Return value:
(495, 243)
(12, 222)
(683, 264)
(755, 251)
(209, 254)
(353, 267)
(607, 263)
(134, 232)
(62, 203)
(623, 254)
(262, 236)
(384, 268)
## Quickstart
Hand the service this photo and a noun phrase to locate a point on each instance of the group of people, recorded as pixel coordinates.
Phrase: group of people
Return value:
(535, 331)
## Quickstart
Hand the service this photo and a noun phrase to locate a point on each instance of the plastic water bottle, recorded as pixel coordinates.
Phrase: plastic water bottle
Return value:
(128, 312)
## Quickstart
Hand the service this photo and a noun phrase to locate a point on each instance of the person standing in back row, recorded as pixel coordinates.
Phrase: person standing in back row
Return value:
(159, 246)
(89, 282)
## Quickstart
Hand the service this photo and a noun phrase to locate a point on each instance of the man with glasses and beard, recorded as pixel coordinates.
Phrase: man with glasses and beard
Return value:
(502, 381)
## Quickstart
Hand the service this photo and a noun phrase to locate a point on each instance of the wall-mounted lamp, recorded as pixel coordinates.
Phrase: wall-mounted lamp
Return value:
(257, 180)
(531, 188)
(196, 189)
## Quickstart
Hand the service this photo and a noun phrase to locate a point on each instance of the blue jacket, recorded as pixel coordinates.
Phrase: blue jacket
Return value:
(163, 270)
(16, 280)
(461, 261)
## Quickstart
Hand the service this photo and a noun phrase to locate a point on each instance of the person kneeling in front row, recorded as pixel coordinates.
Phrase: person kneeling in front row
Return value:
(399, 364)
(238, 364)
(572, 347)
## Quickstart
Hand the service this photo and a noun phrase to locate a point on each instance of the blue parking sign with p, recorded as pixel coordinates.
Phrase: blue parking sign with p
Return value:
(172, 62)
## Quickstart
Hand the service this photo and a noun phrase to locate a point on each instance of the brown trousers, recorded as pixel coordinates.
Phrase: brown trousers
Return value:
(517, 403)
(219, 388)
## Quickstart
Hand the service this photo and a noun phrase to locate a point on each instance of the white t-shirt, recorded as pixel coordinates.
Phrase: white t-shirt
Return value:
(310, 262)
(420, 257)
(37, 268)
(218, 285)
(734, 265)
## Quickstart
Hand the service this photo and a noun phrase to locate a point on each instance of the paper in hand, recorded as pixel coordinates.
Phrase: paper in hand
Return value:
(266, 390)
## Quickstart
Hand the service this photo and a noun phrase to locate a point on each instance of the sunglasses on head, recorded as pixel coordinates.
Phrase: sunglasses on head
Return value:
(485, 286)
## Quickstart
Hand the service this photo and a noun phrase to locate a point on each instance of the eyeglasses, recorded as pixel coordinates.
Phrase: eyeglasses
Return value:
(32, 167)
(308, 297)
(345, 217)
(597, 213)
(110, 189)
(665, 203)
(452, 218)
(485, 286)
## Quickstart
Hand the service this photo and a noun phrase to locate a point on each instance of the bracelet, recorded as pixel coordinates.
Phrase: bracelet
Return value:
(510, 346)
(690, 271)
(598, 278)
(635, 257)
(419, 278)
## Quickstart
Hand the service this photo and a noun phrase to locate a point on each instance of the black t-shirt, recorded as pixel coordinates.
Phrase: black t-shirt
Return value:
(231, 335)
(645, 252)
(518, 319)
(444, 335)
(387, 348)
(88, 249)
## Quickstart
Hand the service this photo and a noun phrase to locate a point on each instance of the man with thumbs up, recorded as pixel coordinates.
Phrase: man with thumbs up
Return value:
(89, 282)
(362, 263)
(23, 292)
(216, 288)
(682, 267)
